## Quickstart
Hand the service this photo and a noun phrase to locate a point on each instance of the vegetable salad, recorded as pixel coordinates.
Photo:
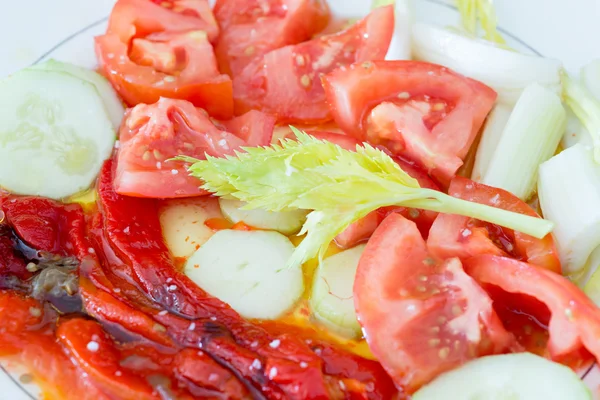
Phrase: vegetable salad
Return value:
(260, 200)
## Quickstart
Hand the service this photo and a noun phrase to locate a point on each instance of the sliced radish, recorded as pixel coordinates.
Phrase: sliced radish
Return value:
(246, 269)
(286, 222)
(332, 299)
(183, 223)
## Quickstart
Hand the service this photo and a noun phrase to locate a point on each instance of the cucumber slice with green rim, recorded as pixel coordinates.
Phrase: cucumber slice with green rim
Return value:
(286, 222)
(332, 299)
(522, 376)
(246, 269)
(114, 105)
(54, 134)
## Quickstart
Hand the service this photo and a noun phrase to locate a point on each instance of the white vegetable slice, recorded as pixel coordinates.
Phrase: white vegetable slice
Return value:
(506, 71)
(332, 299)
(54, 134)
(114, 105)
(287, 222)
(400, 46)
(492, 132)
(183, 223)
(569, 192)
(530, 137)
(246, 269)
(522, 376)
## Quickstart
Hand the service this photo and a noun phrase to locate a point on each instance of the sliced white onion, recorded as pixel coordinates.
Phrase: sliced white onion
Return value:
(506, 71)
(492, 132)
(531, 136)
(400, 47)
(569, 192)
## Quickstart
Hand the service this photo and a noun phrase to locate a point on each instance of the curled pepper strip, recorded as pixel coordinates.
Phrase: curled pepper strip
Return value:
(291, 370)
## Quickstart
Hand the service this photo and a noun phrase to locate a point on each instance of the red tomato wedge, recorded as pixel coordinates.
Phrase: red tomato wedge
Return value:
(252, 28)
(254, 128)
(139, 18)
(463, 237)
(575, 320)
(421, 316)
(287, 81)
(174, 65)
(423, 112)
(362, 229)
(153, 134)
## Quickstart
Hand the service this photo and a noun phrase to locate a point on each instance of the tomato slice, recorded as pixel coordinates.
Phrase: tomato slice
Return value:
(362, 229)
(575, 320)
(423, 112)
(252, 28)
(254, 128)
(174, 65)
(287, 81)
(463, 237)
(153, 134)
(421, 316)
(139, 18)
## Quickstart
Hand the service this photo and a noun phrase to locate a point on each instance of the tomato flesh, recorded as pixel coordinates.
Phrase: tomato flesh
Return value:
(287, 81)
(173, 65)
(153, 134)
(574, 323)
(421, 316)
(463, 237)
(139, 18)
(423, 112)
(252, 28)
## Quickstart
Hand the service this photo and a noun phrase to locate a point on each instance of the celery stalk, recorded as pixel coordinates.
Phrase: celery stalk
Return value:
(590, 74)
(530, 137)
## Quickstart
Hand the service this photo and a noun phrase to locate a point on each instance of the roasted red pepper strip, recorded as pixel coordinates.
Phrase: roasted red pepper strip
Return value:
(133, 230)
(47, 225)
(94, 352)
(26, 335)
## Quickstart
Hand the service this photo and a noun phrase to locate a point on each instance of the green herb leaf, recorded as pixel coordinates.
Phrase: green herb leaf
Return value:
(340, 186)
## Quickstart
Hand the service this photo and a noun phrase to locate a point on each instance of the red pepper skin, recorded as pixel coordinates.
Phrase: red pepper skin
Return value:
(290, 370)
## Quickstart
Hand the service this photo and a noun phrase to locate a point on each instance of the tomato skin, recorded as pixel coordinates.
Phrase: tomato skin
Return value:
(138, 84)
(287, 81)
(389, 103)
(140, 18)
(575, 319)
(421, 316)
(463, 237)
(282, 23)
(153, 134)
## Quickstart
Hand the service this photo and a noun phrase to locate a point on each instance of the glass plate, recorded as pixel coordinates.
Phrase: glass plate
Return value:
(35, 30)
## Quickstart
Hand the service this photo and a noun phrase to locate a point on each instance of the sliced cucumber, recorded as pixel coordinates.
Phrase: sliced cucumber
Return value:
(183, 224)
(246, 269)
(54, 133)
(286, 222)
(332, 300)
(522, 376)
(114, 105)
